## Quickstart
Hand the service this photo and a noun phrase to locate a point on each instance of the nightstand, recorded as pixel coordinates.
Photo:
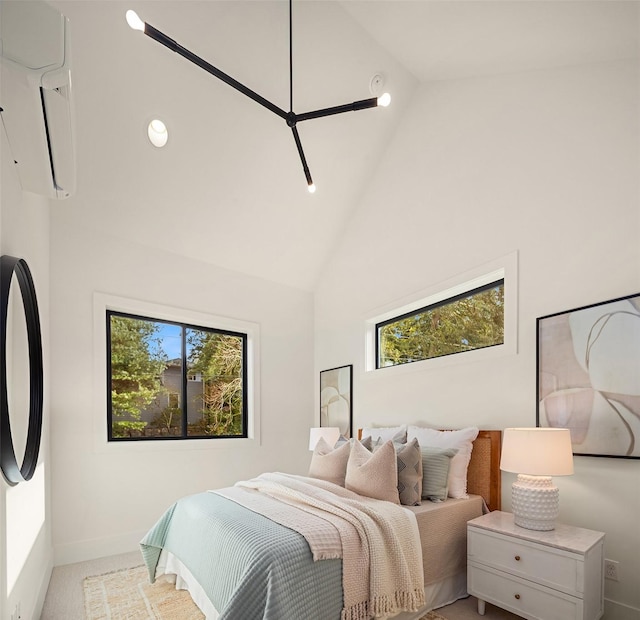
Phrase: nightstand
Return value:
(554, 575)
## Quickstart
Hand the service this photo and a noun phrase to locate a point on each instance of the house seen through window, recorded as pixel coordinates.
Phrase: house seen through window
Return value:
(468, 321)
(173, 380)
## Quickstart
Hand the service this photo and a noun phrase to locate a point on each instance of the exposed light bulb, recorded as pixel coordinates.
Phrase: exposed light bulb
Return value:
(158, 133)
(312, 188)
(134, 21)
(384, 100)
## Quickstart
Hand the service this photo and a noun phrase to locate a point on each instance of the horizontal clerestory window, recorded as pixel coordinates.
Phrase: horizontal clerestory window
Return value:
(171, 380)
(473, 319)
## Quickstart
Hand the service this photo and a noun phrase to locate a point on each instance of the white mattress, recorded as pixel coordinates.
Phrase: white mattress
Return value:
(170, 565)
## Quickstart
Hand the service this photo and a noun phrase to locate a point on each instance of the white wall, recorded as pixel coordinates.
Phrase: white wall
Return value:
(542, 163)
(26, 554)
(105, 497)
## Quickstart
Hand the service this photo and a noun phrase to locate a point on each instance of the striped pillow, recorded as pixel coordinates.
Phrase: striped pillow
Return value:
(435, 472)
(460, 440)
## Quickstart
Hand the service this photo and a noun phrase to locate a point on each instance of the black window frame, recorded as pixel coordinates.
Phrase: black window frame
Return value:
(444, 302)
(184, 380)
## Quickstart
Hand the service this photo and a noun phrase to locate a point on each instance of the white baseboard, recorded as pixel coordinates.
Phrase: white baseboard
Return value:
(619, 611)
(95, 548)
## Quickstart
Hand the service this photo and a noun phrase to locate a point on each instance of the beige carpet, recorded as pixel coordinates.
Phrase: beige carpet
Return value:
(128, 595)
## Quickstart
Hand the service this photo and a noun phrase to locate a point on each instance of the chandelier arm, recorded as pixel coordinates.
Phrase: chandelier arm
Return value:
(291, 118)
(303, 159)
(163, 39)
(363, 104)
(291, 55)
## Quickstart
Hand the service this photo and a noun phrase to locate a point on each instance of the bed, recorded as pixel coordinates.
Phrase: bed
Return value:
(242, 555)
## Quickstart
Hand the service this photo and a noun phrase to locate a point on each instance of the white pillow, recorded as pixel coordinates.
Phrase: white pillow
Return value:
(386, 433)
(461, 440)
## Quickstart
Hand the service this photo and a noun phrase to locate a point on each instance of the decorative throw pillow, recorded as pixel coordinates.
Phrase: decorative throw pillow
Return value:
(366, 442)
(329, 464)
(435, 472)
(373, 474)
(409, 462)
(462, 441)
(396, 434)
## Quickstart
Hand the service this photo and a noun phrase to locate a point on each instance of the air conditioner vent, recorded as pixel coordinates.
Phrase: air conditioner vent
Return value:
(36, 96)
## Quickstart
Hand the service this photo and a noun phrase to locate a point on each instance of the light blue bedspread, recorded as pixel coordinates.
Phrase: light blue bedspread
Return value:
(250, 567)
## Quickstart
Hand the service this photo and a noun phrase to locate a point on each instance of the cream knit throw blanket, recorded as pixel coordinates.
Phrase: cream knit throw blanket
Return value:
(382, 565)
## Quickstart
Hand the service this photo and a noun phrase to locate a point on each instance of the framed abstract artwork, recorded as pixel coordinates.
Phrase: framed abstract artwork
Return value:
(336, 405)
(589, 376)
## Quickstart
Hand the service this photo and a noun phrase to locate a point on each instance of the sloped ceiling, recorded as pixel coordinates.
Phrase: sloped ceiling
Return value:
(229, 189)
(464, 39)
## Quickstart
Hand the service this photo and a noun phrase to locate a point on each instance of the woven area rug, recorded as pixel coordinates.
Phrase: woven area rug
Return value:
(128, 595)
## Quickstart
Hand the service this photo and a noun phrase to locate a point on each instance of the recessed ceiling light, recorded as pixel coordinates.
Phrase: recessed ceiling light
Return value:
(157, 132)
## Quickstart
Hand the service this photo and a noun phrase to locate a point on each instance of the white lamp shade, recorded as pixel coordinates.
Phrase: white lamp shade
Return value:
(537, 451)
(330, 434)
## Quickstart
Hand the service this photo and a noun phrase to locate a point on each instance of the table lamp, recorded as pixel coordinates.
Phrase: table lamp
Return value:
(536, 454)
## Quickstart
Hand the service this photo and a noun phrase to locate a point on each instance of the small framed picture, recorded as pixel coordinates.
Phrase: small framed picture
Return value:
(589, 376)
(336, 404)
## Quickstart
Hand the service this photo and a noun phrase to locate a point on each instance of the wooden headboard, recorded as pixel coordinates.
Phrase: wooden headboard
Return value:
(483, 473)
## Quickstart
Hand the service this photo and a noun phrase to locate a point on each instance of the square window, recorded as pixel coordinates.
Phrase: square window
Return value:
(174, 380)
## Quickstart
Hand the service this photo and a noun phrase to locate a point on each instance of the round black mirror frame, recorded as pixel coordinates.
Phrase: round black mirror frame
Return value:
(12, 473)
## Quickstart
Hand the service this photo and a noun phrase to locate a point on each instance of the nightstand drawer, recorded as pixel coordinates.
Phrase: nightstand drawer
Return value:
(521, 597)
(533, 562)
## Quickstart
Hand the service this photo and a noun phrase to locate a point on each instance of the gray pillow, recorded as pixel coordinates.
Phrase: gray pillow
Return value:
(397, 434)
(410, 473)
(435, 472)
(366, 442)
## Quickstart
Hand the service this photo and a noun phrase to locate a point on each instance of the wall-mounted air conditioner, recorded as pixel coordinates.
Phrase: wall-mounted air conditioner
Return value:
(35, 96)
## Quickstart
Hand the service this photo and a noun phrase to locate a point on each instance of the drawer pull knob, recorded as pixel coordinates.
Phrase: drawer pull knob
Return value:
(518, 596)
(517, 558)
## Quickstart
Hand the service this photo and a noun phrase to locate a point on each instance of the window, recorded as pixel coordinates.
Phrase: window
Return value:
(171, 380)
(467, 321)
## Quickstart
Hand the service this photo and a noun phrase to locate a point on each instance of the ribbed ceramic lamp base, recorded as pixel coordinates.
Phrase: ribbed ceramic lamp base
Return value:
(535, 502)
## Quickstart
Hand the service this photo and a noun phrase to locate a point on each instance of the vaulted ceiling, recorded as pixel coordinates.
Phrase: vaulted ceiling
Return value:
(228, 189)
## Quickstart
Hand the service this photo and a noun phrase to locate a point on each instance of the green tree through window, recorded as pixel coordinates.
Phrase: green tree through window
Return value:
(217, 359)
(136, 365)
(172, 380)
(473, 320)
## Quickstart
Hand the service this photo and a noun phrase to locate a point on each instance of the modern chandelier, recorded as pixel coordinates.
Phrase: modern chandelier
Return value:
(290, 117)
